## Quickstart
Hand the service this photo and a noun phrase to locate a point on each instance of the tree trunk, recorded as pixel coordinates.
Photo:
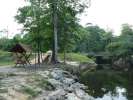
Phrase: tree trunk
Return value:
(55, 40)
(64, 56)
(38, 52)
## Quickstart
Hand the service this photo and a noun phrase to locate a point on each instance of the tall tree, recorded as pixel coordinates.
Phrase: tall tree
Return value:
(55, 31)
(91, 40)
(122, 47)
(53, 13)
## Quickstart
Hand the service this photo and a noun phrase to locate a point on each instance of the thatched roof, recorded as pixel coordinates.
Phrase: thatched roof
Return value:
(20, 48)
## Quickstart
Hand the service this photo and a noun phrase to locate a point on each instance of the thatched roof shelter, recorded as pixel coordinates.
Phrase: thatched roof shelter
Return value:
(20, 48)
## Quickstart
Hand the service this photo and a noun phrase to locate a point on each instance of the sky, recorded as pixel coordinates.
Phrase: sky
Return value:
(8, 9)
(108, 14)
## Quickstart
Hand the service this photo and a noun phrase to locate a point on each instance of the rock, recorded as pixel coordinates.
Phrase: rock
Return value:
(44, 74)
(72, 96)
(78, 85)
(68, 81)
(65, 86)
(68, 89)
(57, 95)
(121, 64)
(67, 74)
(57, 84)
(87, 66)
(87, 97)
(81, 94)
(57, 74)
(72, 63)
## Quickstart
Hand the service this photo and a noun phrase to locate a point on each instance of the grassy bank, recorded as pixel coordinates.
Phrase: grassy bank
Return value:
(6, 58)
(75, 57)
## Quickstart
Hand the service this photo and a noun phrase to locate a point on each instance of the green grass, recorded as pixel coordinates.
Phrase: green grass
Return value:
(5, 58)
(76, 57)
(43, 83)
(29, 90)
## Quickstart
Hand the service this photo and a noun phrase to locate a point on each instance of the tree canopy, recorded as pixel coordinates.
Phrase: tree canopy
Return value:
(49, 21)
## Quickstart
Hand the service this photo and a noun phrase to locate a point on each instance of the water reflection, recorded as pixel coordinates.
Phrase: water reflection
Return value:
(106, 85)
(120, 95)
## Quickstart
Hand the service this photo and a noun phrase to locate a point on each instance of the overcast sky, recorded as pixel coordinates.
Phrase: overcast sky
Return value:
(8, 9)
(108, 14)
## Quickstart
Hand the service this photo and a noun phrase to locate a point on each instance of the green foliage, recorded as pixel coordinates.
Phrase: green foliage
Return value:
(37, 19)
(126, 30)
(123, 45)
(121, 49)
(5, 58)
(93, 39)
(7, 44)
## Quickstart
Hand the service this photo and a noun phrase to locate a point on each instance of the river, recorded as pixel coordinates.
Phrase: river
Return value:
(109, 84)
(120, 95)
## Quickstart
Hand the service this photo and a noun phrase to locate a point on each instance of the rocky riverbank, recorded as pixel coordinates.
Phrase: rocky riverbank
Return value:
(51, 84)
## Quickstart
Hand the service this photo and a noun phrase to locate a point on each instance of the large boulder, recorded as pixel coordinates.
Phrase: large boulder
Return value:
(83, 66)
(87, 66)
(121, 64)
